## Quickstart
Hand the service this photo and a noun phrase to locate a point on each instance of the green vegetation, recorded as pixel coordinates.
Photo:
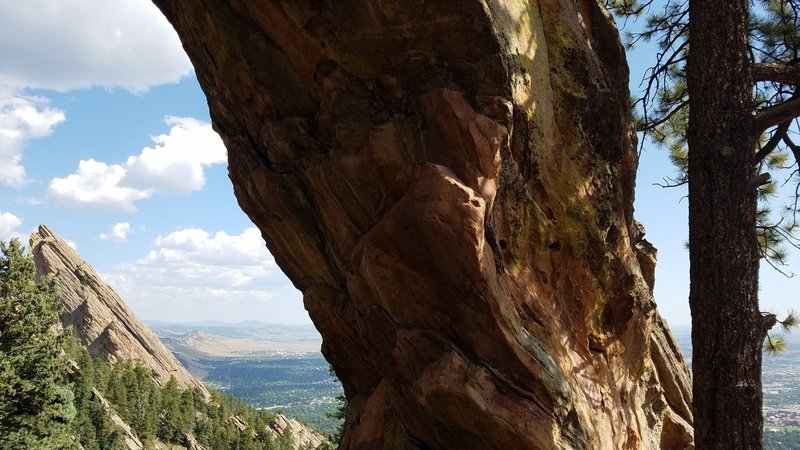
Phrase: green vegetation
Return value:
(168, 414)
(36, 406)
(92, 425)
(782, 438)
(299, 385)
(55, 395)
(340, 413)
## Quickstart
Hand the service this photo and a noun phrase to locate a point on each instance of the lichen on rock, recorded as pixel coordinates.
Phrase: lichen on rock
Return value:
(451, 188)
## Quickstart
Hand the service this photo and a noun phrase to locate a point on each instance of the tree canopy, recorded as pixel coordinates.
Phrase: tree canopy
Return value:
(51, 387)
(36, 405)
(723, 98)
(774, 53)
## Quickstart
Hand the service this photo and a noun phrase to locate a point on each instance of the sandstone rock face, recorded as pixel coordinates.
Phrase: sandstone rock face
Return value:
(450, 185)
(302, 436)
(101, 320)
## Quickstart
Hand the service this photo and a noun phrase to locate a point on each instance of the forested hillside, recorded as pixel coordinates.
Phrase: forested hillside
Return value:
(167, 414)
(54, 394)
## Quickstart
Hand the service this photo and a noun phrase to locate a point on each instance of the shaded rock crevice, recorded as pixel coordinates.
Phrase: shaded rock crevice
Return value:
(452, 191)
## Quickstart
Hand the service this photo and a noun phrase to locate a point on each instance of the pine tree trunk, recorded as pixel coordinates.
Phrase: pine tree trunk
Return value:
(727, 329)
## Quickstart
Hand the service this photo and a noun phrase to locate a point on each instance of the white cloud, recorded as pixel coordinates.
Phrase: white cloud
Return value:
(194, 257)
(220, 260)
(70, 44)
(8, 226)
(194, 267)
(175, 165)
(21, 119)
(119, 232)
(246, 249)
(95, 186)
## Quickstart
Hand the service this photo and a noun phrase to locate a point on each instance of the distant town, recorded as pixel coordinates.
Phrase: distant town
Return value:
(781, 382)
(781, 388)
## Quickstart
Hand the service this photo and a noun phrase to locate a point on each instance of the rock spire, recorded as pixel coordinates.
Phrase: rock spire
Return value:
(101, 320)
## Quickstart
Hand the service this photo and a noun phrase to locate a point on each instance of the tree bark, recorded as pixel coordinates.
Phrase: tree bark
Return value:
(727, 329)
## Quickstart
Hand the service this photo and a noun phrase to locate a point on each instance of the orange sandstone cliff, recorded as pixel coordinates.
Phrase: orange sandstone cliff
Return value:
(450, 185)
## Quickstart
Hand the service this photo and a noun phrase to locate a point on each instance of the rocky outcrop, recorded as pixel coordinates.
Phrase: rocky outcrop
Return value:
(450, 185)
(301, 435)
(192, 444)
(101, 320)
(129, 438)
(109, 329)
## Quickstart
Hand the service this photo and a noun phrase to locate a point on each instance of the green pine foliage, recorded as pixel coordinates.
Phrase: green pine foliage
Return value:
(165, 414)
(662, 110)
(36, 406)
(92, 425)
(50, 386)
(177, 415)
(339, 414)
(216, 429)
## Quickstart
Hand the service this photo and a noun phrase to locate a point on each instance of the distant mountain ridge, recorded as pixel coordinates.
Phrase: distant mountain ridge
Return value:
(194, 344)
(240, 338)
(260, 331)
(221, 323)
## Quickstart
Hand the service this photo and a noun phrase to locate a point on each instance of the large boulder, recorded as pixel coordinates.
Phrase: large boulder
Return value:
(450, 185)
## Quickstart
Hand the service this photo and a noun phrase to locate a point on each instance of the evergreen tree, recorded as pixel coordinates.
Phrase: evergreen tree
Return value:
(36, 406)
(40, 410)
(723, 96)
(83, 425)
(339, 414)
(107, 435)
(285, 442)
(176, 416)
(92, 425)
(144, 402)
(187, 412)
(116, 392)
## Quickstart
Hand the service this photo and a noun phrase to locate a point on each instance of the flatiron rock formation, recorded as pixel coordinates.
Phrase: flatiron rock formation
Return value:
(101, 320)
(450, 185)
(302, 436)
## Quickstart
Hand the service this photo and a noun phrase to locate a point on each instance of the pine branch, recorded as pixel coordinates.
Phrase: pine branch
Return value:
(773, 141)
(777, 72)
(794, 148)
(671, 182)
(777, 114)
(666, 117)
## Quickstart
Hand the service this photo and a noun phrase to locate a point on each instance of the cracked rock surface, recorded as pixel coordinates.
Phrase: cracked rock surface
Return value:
(450, 185)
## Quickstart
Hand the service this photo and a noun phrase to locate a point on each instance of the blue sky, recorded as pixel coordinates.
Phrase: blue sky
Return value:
(105, 137)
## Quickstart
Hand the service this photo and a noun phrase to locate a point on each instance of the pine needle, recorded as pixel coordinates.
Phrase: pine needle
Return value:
(791, 321)
(775, 345)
